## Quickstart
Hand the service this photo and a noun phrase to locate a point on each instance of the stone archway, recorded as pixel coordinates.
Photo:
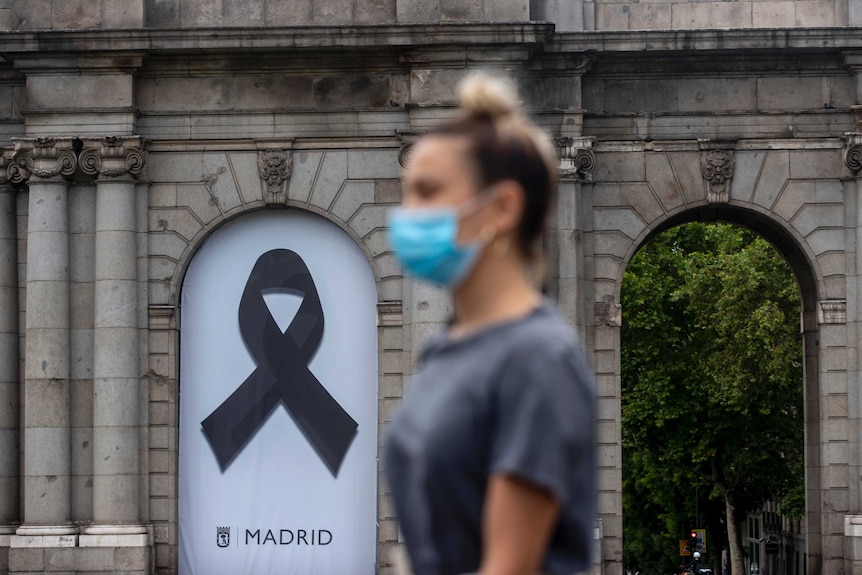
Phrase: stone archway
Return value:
(641, 191)
(809, 336)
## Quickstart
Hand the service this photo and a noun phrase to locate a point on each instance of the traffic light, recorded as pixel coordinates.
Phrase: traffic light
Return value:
(692, 542)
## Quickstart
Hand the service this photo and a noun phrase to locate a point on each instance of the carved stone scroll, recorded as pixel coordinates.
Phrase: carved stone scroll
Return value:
(577, 159)
(853, 152)
(717, 169)
(112, 157)
(274, 167)
(407, 138)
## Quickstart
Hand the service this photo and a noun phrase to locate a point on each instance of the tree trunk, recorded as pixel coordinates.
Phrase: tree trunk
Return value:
(715, 536)
(734, 539)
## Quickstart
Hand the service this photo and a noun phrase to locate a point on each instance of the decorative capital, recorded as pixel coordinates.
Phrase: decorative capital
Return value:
(833, 311)
(274, 167)
(853, 152)
(577, 159)
(42, 158)
(407, 138)
(112, 156)
(716, 166)
(609, 313)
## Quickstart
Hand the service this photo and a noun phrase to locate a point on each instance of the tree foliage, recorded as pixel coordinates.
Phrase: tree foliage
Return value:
(711, 385)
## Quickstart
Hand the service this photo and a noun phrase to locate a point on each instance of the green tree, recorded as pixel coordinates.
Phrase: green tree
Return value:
(711, 386)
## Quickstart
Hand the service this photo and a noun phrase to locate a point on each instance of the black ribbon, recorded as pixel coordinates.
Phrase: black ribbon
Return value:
(282, 373)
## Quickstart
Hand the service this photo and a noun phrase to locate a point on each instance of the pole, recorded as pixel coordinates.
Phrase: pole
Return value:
(696, 508)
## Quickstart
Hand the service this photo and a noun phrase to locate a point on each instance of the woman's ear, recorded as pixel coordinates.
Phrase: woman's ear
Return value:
(510, 201)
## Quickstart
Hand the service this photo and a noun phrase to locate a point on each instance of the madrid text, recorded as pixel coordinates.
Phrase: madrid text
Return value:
(288, 537)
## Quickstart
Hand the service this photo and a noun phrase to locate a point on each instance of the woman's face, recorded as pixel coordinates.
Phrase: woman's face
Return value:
(439, 175)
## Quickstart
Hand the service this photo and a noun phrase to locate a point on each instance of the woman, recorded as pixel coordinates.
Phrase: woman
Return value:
(491, 457)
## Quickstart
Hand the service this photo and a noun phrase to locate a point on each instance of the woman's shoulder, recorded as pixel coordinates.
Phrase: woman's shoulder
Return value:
(542, 332)
(546, 329)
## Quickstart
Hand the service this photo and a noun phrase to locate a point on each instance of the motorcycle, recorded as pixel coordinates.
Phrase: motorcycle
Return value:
(692, 570)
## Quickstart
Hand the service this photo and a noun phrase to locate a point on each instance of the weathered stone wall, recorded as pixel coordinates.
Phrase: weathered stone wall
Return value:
(569, 15)
(107, 14)
(71, 14)
(681, 14)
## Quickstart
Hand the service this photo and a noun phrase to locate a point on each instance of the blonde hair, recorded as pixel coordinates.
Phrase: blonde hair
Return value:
(506, 145)
(484, 95)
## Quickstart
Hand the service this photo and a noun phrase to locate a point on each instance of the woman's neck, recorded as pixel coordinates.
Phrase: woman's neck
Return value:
(495, 292)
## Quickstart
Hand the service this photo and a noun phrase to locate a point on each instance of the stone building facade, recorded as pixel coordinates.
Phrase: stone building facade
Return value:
(134, 128)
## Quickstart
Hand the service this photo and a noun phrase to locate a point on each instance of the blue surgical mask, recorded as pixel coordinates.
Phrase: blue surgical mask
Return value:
(425, 243)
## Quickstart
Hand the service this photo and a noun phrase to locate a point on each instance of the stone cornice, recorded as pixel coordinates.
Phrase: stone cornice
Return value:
(268, 39)
(803, 39)
(134, 44)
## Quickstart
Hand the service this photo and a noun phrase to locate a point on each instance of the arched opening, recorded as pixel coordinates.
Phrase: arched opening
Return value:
(278, 399)
(770, 542)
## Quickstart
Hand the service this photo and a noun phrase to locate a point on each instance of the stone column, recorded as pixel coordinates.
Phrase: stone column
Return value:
(596, 317)
(47, 462)
(853, 315)
(566, 275)
(9, 504)
(116, 162)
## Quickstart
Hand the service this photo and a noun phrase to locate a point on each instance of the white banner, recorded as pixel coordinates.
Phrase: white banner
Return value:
(278, 401)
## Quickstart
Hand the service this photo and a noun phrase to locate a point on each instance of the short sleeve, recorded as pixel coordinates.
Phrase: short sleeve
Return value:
(545, 419)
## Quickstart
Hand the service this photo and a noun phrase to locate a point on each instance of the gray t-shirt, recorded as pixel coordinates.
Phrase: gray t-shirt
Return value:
(516, 399)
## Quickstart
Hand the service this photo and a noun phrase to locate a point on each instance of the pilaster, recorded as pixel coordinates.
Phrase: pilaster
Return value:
(836, 312)
(44, 163)
(115, 162)
(565, 243)
(9, 402)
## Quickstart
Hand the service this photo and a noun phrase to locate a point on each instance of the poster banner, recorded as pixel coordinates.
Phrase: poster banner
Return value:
(278, 401)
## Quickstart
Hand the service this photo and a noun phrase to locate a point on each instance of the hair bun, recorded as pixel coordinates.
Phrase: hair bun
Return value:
(487, 96)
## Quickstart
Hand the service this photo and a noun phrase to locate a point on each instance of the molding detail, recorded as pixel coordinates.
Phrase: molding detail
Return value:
(42, 158)
(389, 313)
(274, 167)
(577, 159)
(832, 311)
(162, 316)
(716, 166)
(112, 157)
(853, 151)
(608, 313)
